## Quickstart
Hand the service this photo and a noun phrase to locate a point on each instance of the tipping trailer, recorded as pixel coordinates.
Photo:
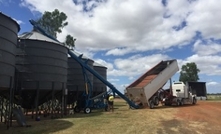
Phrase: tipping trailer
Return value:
(147, 89)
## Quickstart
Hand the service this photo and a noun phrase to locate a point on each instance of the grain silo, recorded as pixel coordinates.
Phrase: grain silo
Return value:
(76, 84)
(98, 86)
(8, 40)
(41, 68)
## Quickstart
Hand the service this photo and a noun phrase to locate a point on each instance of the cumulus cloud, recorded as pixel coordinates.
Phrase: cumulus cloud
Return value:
(135, 26)
(207, 48)
(204, 17)
(135, 65)
(208, 64)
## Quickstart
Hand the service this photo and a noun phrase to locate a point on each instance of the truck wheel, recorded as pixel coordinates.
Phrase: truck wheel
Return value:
(181, 102)
(156, 101)
(77, 109)
(178, 102)
(87, 110)
(151, 103)
(194, 101)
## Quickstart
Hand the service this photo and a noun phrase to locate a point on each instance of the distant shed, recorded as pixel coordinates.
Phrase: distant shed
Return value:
(199, 88)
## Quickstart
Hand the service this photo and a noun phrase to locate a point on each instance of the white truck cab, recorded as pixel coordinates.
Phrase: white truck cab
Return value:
(182, 94)
(179, 89)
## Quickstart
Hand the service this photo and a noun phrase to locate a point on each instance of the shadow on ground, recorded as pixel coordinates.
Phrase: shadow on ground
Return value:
(174, 106)
(37, 127)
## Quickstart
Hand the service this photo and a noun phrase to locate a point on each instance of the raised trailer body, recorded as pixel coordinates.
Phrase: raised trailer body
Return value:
(145, 89)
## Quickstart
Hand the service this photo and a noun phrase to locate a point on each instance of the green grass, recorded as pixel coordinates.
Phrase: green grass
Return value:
(122, 121)
(214, 97)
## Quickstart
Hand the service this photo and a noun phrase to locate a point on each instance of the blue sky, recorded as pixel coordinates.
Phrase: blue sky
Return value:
(131, 36)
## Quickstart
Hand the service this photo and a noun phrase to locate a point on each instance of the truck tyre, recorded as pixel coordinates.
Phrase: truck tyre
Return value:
(178, 102)
(194, 101)
(156, 101)
(77, 109)
(151, 104)
(181, 102)
(160, 96)
(87, 110)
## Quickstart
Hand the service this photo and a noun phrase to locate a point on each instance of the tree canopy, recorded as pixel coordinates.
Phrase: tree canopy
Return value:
(53, 23)
(70, 41)
(189, 72)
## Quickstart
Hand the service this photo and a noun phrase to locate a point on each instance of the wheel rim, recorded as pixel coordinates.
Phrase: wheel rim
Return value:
(87, 110)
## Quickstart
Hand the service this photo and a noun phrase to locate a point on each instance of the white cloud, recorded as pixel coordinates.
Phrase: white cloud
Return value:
(208, 64)
(133, 25)
(209, 48)
(120, 51)
(212, 83)
(18, 21)
(136, 25)
(213, 87)
(135, 65)
(113, 80)
(204, 17)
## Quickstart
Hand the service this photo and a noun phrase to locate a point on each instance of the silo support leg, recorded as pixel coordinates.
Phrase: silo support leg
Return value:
(36, 104)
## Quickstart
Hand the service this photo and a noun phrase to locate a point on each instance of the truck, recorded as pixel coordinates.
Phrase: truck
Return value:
(181, 94)
(148, 90)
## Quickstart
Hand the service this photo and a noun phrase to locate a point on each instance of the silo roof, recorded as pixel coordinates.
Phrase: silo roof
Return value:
(98, 65)
(35, 35)
(78, 54)
(12, 20)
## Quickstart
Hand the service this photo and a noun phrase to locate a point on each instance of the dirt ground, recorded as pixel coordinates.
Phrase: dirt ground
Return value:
(202, 118)
(205, 116)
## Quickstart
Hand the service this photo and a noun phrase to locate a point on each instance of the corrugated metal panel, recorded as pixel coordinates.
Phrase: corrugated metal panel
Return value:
(8, 41)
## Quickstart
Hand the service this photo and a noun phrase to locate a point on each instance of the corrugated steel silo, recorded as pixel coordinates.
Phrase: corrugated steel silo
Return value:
(76, 83)
(98, 86)
(41, 63)
(8, 40)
